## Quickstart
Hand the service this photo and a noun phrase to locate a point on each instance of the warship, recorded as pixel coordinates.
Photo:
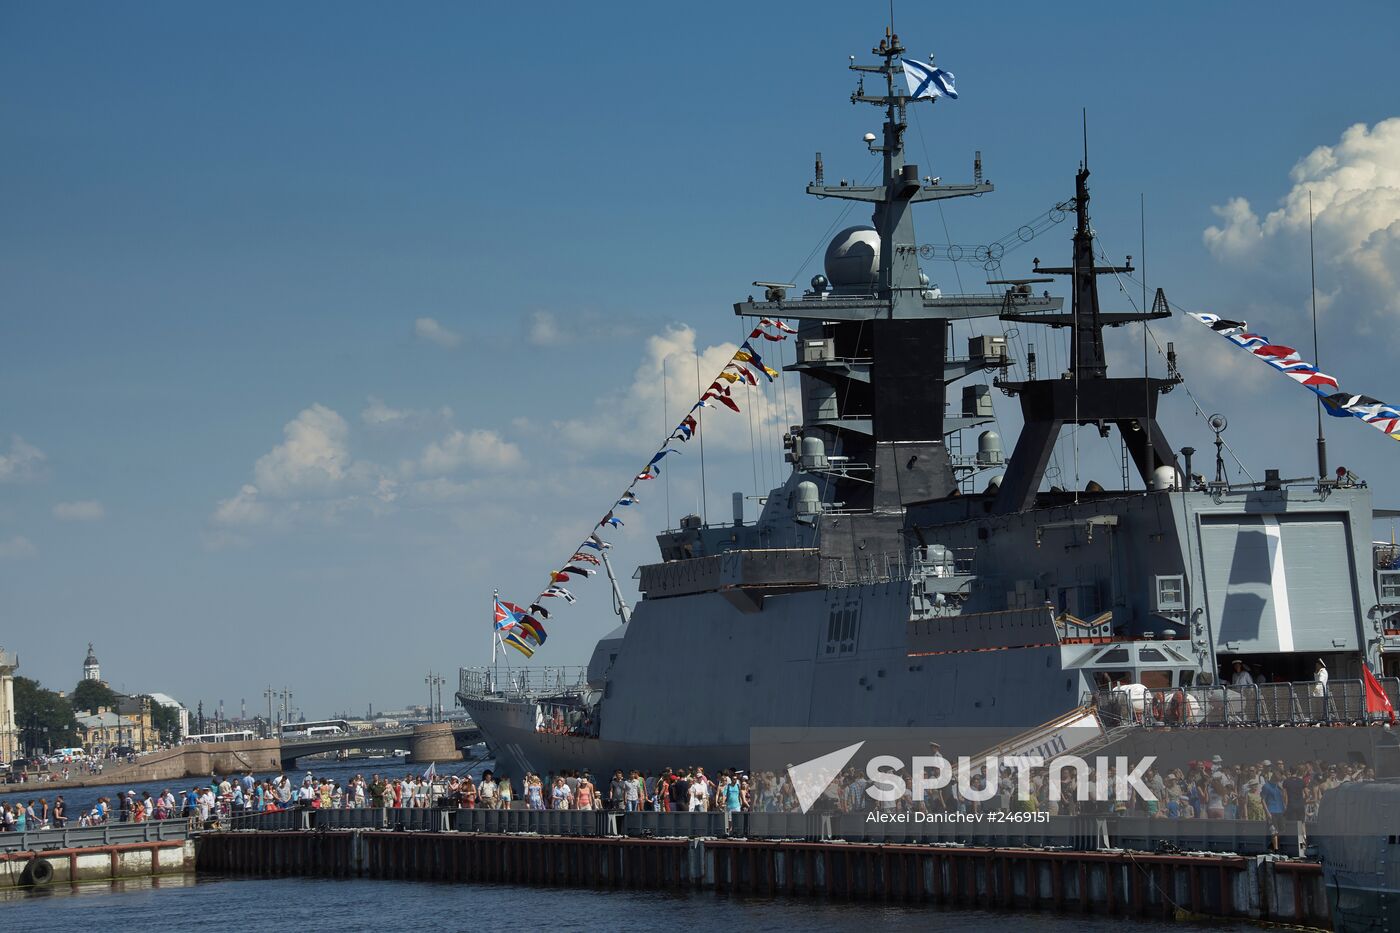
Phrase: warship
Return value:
(893, 580)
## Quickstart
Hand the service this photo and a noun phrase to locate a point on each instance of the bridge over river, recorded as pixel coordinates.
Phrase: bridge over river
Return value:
(430, 742)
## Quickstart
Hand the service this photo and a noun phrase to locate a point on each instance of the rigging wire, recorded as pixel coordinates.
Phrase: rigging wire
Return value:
(753, 448)
(666, 426)
(957, 275)
(700, 430)
(1162, 353)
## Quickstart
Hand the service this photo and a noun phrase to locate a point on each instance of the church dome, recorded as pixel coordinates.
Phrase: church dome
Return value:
(91, 669)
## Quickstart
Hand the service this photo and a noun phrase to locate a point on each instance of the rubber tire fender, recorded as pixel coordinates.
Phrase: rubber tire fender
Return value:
(38, 873)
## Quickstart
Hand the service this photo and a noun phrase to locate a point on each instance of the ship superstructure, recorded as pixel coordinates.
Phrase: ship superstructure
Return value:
(879, 587)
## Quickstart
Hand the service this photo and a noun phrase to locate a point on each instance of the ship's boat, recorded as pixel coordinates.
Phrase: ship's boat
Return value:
(894, 580)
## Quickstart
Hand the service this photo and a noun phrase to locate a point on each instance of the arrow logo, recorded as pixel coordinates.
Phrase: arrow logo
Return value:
(811, 778)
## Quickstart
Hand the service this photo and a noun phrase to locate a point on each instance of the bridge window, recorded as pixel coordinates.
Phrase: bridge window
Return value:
(1389, 587)
(1171, 593)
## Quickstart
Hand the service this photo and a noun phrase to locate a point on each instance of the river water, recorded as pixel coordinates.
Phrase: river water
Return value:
(306, 905)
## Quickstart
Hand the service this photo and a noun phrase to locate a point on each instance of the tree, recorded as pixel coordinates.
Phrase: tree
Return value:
(90, 694)
(166, 721)
(44, 718)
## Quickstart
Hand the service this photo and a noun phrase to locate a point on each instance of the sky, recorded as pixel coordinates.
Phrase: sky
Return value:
(319, 322)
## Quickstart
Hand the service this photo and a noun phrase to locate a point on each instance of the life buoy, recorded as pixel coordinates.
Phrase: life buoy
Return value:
(37, 873)
(1176, 709)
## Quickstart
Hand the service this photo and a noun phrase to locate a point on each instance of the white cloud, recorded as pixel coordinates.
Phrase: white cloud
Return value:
(310, 476)
(478, 448)
(21, 462)
(313, 476)
(439, 489)
(1355, 197)
(544, 330)
(429, 329)
(83, 510)
(377, 414)
(244, 508)
(16, 546)
(315, 456)
(637, 418)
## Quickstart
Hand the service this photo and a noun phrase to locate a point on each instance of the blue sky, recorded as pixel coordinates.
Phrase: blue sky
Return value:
(410, 275)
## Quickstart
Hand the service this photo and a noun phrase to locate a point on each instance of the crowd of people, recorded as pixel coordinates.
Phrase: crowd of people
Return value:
(1273, 791)
(669, 789)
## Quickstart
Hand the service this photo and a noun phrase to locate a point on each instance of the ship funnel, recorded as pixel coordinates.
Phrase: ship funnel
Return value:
(814, 454)
(989, 451)
(809, 501)
(738, 508)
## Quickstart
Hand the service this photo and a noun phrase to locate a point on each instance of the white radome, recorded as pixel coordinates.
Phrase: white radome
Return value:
(853, 257)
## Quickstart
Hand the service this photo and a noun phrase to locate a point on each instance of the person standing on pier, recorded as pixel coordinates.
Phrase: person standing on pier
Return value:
(376, 792)
(584, 795)
(486, 791)
(534, 792)
(617, 792)
(559, 796)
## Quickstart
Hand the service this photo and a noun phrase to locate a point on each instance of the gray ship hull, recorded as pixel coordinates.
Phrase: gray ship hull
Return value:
(694, 672)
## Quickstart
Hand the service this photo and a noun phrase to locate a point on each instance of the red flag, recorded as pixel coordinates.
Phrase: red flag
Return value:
(1376, 699)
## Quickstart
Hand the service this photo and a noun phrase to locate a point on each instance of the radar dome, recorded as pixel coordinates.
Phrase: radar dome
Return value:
(853, 257)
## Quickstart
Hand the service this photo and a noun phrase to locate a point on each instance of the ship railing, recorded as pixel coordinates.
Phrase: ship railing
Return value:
(1387, 556)
(522, 682)
(893, 567)
(1302, 703)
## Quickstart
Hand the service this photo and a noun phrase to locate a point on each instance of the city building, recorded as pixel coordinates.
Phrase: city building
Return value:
(91, 669)
(128, 725)
(9, 733)
(170, 702)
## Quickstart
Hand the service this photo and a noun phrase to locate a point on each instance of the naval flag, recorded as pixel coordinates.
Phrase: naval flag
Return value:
(927, 81)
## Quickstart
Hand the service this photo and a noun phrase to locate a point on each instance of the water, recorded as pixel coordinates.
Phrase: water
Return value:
(308, 905)
(82, 799)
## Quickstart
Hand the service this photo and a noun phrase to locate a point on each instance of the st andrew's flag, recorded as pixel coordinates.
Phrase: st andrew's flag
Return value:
(928, 81)
(508, 615)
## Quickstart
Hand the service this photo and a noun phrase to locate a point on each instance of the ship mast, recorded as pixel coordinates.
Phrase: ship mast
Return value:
(1089, 396)
(874, 345)
(898, 285)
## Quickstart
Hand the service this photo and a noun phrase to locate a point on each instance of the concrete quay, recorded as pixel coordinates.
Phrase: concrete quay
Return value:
(102, 853)
(171, 764)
